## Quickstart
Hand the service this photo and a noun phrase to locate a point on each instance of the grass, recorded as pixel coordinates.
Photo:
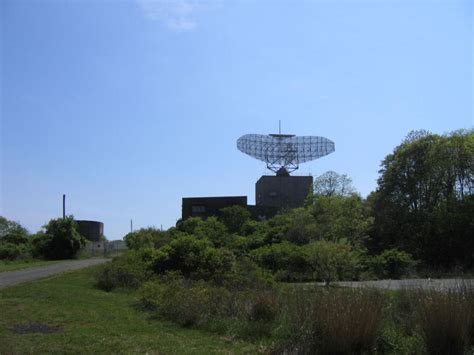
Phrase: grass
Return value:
(24, 264)
(86, 320)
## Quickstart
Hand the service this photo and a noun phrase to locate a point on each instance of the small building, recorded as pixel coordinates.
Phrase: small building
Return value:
(209, 206)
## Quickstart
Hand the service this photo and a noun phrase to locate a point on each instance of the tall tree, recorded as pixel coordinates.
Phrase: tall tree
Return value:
(424, 202)
(331, 183)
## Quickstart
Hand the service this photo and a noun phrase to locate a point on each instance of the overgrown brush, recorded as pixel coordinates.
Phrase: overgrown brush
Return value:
(126, 271)
(446, 319)
(332, 321)
(199, 303)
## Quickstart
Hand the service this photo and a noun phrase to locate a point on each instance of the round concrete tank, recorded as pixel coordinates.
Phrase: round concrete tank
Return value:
(91, 230)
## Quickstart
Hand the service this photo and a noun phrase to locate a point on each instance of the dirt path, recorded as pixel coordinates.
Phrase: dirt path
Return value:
(11, 278)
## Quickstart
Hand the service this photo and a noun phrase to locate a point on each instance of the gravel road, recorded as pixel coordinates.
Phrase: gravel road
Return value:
(11, 278)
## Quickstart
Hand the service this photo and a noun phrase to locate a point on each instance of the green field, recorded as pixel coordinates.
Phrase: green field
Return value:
(69, 315)
(24, 264)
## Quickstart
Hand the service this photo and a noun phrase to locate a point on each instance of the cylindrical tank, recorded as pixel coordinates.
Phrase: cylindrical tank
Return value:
(91, 230)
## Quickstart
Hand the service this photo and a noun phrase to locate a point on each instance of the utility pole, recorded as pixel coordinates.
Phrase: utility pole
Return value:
(131, 226)
(64, 206)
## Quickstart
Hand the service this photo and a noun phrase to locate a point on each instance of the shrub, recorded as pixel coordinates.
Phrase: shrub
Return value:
(445, 318)
(12, 232)
(196, 258)
(61, 240)
(234, 218)
(189, 225)
(12, 251)
(126, 271)
(332, 260)
(265, 308)
(146, 237)
(14, 240)
(287, 260)
(185, 302)
(213, 230)
(392, 264)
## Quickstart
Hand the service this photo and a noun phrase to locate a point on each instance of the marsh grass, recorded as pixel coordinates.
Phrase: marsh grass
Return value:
(333, 321)
(446, 318)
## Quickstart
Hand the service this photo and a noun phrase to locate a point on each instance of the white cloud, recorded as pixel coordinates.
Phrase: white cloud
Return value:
(176, 15)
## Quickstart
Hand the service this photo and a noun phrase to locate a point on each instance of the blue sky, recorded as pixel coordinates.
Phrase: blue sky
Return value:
(129, 106)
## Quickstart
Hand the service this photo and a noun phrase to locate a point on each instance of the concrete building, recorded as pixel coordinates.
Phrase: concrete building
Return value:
(209, 206)
(282, 191)
(91, 230)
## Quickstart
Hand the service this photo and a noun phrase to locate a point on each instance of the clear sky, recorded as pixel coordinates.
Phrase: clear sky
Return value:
(128, 106)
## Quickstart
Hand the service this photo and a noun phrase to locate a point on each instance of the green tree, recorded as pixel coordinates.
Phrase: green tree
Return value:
(234, 218)
(331, 183)
(392, 264)
(214, 230)
(12, 232)
(288, 259)
(332, 261)
(146, 238)
(60, 239)
(424, 203)
(341, 217)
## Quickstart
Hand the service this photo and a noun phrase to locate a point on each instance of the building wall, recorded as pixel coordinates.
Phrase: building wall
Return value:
(209, 206)
(91, 230)
(282, 191)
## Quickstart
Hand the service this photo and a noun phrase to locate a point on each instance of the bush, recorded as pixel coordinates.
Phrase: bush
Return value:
(146, 238)
(234, 218)
(287, 260)
(332, 260)
(12, 251)
(126, 271)
(185, 302)
(12, 232)
(14, 240)
(196, 258)
(265, 308)
(60, 240)
(391, 264)
(213, 230)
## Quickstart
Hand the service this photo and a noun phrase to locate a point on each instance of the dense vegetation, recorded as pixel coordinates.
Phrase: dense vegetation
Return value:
(425, 200)
(225, 274)
(59, 239)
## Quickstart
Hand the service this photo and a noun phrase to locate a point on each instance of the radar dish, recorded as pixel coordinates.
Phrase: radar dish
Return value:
(284, 152)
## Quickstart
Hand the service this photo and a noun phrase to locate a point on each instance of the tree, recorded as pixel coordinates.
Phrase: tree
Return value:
(288, 259)
(424, 202)
(12, 232)
(146, 238)
(338, 217)
(214, 230)
(234, 218)
(332, 261)
(59, 240)
(14, 240)
(331, 183)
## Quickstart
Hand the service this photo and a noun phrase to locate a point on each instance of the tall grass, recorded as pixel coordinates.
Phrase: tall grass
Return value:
(333, 321)
(447, 319)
